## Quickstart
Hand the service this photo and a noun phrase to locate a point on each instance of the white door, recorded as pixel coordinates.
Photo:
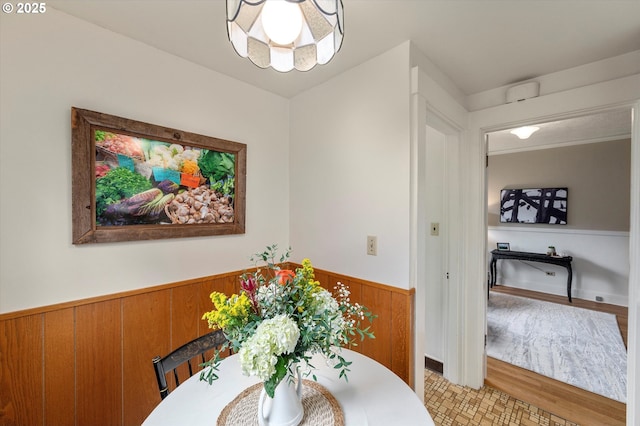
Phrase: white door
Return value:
(436, 227)
(441, 295)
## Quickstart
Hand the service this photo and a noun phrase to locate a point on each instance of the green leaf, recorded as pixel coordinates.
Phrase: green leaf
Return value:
(273, 382)
(117, 184)
(217, 165)
(210, 375)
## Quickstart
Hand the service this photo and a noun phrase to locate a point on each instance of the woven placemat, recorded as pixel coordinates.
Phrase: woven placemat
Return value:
(320, 407)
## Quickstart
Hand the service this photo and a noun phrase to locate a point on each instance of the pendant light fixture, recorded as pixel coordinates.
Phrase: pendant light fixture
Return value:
(286, 34)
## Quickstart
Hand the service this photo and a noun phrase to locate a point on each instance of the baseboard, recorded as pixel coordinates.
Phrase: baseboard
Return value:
(433, 365)
(585, 294)
(612, 299)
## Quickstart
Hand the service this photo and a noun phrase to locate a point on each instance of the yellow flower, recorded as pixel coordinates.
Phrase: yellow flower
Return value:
(218, 299)
(308, 273)
(307, 268)
(229, 311)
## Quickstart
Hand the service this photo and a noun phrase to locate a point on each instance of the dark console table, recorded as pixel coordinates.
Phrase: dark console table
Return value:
(564, 261)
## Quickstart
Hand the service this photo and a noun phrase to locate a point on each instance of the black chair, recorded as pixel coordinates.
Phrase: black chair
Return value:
(184, 354)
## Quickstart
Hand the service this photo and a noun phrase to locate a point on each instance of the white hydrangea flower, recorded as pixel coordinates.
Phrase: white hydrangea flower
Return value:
(281, 332)
(273, 337)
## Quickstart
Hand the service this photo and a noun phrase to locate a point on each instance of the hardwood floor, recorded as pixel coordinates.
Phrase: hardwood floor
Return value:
(566, 401)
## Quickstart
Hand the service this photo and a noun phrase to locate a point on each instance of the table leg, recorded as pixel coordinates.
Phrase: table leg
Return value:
(489, 279)
(569, 270)
(494, 271)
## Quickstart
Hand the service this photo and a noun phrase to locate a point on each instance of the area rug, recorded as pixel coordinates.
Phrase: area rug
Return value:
(577, 346)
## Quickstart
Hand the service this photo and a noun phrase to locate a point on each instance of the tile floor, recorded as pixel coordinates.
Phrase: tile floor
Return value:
(452, 405)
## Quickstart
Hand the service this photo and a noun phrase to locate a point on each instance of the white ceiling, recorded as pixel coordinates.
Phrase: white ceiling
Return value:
(479, 44)
(601, 127)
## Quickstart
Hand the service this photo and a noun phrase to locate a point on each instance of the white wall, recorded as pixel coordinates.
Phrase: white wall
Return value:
(600, 262)
(52, 62)
(350, 160)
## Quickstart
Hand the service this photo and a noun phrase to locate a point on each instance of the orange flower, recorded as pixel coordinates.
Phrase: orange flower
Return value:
(284, 275)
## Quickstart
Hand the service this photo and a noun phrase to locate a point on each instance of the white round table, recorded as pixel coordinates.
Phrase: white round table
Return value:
(373, 395)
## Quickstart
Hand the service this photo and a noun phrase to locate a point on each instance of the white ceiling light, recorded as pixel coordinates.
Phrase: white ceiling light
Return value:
(524, 132)
(286, 34)
(282, 21)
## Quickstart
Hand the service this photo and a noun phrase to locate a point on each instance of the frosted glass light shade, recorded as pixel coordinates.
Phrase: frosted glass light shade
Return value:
(524, 132)
(282, 21)
(314, 42)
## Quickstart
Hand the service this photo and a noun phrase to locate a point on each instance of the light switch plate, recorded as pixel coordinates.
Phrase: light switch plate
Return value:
(372, 245)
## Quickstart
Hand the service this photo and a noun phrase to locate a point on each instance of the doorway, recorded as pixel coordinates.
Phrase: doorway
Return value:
(436, 291)
(436, 258)
(586, 231)
(443, 312)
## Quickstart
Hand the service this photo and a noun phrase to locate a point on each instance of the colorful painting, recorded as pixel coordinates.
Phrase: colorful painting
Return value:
(143, 181)
(159, 182)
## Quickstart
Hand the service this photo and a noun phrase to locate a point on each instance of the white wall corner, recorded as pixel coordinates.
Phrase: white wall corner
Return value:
(419, 59)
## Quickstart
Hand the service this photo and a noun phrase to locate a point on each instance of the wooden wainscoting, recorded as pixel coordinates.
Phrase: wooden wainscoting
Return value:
(88, 362)
(393, 328)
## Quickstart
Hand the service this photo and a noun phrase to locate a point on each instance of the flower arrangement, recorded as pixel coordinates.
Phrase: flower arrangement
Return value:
(282, 319)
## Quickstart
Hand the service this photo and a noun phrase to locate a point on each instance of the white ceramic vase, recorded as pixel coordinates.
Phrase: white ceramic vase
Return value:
(285, 408)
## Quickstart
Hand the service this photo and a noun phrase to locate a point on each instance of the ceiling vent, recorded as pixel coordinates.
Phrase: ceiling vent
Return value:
(523, 91)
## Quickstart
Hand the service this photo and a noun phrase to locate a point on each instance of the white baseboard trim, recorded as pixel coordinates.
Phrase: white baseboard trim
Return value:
(612, 299)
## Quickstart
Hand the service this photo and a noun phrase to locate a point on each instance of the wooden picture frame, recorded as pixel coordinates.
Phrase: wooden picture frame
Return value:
(139, 181)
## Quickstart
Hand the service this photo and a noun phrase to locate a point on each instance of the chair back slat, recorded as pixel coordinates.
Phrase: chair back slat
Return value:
(176, 377)
(184, 354)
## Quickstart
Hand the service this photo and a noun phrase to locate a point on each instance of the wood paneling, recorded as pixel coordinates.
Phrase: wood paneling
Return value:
(145, 326)
(393, 326)
(402, 326)
(185, 313)
(184, 322)
(21, 371)
(381, 326)
(99, 364)
(59, 368)
(90, 360)
(204, 301)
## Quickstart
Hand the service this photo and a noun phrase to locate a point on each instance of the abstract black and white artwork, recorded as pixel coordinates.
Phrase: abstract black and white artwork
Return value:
(538, 205)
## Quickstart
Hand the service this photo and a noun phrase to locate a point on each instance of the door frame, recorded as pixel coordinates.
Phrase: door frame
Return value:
(430, 105)
(426, 94)
(575, 104)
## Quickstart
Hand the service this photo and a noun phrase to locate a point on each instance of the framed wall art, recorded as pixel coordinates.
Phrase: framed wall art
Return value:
(140, 181)
(535, 205)
(503, 246)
